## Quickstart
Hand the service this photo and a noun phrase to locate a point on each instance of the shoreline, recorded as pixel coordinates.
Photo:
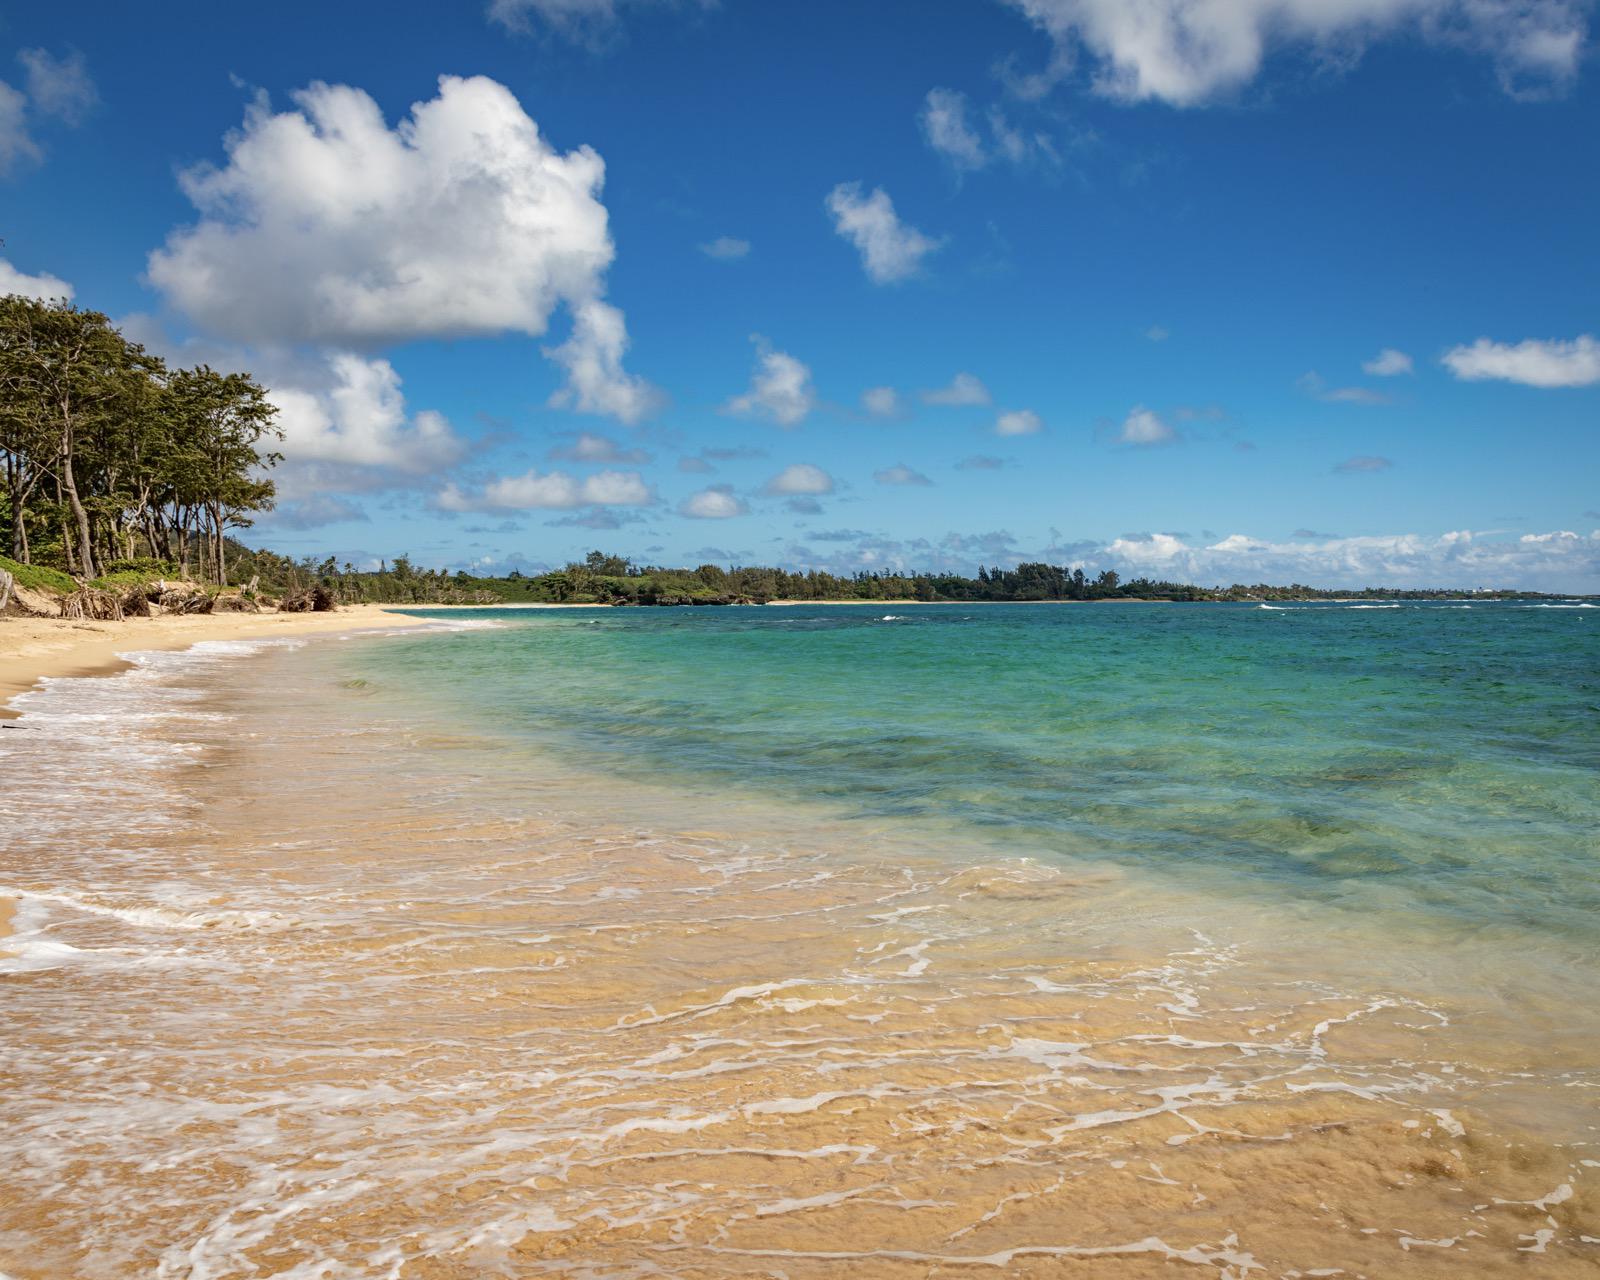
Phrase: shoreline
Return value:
(32, 649)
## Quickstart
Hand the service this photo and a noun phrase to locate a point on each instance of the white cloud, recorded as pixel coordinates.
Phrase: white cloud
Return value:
(1186, 52)
(1157, 333)
(944, 124)
(1018, 422)
(1144, 427)
(964, 389)
(1388, 363)
(780, 388)
(1533, 363)
(550, 490)
(890, 249)
(726, 248)
(588, 447)
(1556, 561)
(42, 286)
(715, 503)
(326, 225)
(946, 129)
(592, 356)
(881, 402)
(351, 411)
(58, 87)
(800, 477)
(901, 474)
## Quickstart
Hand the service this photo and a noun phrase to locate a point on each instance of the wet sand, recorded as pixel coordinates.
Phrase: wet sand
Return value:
(365, 996)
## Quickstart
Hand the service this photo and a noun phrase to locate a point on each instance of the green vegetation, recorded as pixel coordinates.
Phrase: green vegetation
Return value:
(107, 455)
(37, 577)
(613, 580)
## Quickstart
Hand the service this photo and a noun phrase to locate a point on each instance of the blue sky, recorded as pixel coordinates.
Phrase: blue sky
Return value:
(626, 279)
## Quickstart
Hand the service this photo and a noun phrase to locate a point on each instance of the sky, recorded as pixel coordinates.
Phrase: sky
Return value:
(1210, 290)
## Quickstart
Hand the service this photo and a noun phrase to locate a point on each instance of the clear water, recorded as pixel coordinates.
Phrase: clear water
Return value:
(1440, 762)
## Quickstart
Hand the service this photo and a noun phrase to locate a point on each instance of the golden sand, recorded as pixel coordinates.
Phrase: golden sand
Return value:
(377, 1001)
(31, 648)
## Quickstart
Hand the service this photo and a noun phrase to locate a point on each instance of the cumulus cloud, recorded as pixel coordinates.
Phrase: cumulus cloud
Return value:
(1144, 427)
(726, 248)
(1188, 52)
(964, 389)
(891, 250)
(42, 286)
(588, 447)
(548, 490)
(716, 503)
(881, 402)
(1018, 422)
(326, 225)
(350, 411)
(902, 475)
(1363, 464)
(780, 388)
(1388, 363)
(1533, 363)
(800, 477)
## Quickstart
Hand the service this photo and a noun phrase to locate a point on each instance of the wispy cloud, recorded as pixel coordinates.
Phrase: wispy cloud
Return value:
(726, 249)
(900, 474)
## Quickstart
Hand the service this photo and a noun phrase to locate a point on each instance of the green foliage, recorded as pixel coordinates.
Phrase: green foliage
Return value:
(37, 577)
(107, 456)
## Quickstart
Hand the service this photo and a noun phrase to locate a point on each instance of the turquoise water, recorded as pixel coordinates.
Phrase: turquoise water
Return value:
(1434, 761)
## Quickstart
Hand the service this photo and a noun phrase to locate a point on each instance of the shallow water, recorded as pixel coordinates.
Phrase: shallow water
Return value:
(1066, 941)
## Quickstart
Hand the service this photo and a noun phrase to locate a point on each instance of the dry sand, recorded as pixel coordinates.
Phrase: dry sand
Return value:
(31, 648)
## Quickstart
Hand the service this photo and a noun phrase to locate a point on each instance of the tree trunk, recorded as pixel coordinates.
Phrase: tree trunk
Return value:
(79, 515)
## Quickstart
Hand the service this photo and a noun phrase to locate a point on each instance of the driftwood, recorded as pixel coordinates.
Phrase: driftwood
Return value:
(230, 603)
(317, 599)
(6, 583)
(136, 603)
(92, 603)
(184, 600)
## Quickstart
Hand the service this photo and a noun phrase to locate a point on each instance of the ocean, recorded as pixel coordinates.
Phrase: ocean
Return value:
(814, 941)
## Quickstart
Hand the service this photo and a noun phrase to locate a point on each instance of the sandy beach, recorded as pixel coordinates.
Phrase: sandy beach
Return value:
(32, 648)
